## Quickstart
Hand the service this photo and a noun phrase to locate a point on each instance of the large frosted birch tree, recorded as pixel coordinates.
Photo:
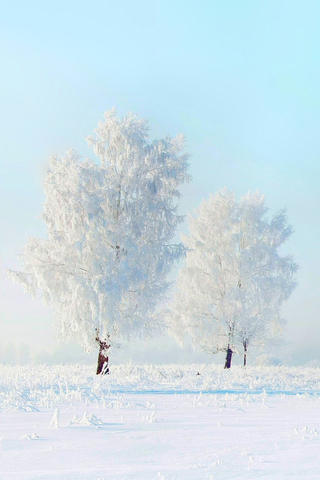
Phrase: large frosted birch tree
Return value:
(110, 224)
(234, 281)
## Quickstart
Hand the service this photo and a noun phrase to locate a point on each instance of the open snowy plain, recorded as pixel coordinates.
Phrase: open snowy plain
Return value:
(159, 422)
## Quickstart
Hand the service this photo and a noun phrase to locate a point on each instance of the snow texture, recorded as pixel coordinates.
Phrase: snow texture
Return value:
(159, 422)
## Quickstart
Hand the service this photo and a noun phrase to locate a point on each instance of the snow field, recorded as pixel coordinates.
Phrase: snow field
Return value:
(63, 423)
(31, 387)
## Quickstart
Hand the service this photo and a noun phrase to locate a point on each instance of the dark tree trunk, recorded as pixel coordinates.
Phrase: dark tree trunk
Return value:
(228, 357)
(103, 359)
(245, 349)
(103, 363)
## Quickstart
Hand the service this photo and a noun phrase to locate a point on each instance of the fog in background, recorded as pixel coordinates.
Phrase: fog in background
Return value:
(239, 79)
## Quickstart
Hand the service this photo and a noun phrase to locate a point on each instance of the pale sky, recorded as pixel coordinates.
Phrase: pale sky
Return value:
(239, 78)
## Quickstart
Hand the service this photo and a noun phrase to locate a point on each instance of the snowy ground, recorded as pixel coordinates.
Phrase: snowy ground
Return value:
(152, 422)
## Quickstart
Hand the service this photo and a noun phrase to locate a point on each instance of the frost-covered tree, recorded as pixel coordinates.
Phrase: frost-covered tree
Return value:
(234, 281)
(110, 224)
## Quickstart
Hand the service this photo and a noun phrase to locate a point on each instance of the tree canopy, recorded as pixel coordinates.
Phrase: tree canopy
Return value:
(110, 224)
(234, 281)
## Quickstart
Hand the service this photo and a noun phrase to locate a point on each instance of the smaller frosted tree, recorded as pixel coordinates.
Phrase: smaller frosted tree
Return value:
(110, 224)
(234, 281)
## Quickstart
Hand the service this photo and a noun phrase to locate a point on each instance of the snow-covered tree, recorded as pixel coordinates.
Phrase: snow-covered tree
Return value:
(234, 281)
(110, 224)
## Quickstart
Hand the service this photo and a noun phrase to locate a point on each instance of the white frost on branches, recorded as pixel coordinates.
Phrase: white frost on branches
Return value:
(110, 227)
(234, 281)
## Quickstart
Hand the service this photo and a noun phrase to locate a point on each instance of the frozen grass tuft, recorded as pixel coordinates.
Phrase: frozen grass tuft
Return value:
(30, 388)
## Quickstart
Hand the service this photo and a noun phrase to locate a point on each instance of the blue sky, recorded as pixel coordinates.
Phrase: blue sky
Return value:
(239, 78)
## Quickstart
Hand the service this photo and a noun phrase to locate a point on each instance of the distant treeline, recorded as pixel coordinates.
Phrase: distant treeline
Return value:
(23, 354)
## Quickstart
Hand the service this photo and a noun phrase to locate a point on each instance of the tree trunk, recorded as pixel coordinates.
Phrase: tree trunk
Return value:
(245, 348)
(103, 361)
(228, 357)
